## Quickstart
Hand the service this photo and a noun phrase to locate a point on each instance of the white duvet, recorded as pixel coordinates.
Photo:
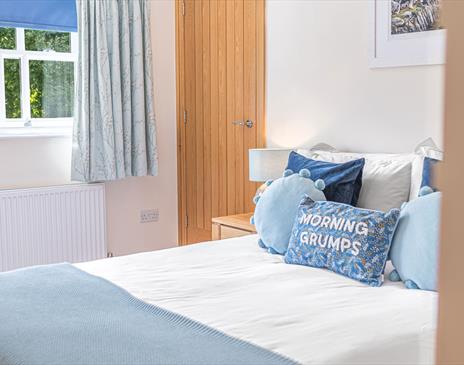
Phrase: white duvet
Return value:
(311, 315)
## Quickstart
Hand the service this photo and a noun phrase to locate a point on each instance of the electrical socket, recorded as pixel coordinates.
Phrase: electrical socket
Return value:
(149, 215)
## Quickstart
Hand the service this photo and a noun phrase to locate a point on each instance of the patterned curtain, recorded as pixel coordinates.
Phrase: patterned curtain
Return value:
(114, 134)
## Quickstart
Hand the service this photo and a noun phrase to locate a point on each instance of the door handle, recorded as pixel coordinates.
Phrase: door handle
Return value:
(249, 123)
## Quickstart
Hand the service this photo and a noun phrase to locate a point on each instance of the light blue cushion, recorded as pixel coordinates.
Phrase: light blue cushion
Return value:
(414, 252)
(350, 241)
(277, 206)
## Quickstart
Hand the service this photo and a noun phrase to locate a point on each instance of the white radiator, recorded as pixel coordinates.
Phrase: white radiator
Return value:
(52, 224)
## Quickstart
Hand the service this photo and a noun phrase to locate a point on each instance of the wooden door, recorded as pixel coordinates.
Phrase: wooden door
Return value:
(220, 86)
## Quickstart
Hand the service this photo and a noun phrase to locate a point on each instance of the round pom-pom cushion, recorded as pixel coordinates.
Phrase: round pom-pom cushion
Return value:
(277, 208)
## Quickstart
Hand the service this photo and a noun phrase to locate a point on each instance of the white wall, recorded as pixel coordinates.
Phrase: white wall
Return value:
(320, 89)
(126, 198)
(32, 162)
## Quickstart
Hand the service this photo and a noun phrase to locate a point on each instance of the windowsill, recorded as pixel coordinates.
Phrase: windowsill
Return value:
(35, 132)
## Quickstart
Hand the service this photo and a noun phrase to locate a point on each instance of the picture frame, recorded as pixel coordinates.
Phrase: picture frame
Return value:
(386, 49)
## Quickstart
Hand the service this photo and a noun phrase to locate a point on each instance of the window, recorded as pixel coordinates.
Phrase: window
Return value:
(37, 73)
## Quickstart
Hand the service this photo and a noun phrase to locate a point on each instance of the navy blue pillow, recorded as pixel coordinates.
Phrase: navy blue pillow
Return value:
(343, 181)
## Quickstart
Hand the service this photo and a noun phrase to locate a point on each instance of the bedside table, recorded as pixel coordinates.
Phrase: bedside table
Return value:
(232, 226)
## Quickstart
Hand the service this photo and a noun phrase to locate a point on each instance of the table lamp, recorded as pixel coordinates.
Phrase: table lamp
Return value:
(267, 163)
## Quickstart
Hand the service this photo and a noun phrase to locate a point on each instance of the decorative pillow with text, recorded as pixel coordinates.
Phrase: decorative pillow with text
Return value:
(350, 241)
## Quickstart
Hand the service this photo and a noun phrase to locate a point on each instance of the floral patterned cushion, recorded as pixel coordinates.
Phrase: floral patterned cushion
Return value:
(350, 241)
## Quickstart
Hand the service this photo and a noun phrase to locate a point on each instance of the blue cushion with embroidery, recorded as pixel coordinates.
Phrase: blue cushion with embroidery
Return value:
(350, 241)
(414, 252)
(277, 206)
(343, 181)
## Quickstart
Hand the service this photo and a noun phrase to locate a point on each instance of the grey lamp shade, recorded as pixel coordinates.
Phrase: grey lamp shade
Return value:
(267, 163)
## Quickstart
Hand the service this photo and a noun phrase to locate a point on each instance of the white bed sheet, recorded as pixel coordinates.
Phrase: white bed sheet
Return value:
(310, 315)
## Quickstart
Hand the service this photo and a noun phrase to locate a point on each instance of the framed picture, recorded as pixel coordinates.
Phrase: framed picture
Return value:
(406, 33)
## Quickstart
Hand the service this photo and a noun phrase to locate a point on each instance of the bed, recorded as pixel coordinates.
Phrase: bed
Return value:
(222, 302)
(311, 316)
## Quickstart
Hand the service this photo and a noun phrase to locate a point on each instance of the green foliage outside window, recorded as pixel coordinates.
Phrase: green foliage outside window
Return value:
(12, 88)
(7, 38)
(41, 40)
(51, 82)
(52, 86)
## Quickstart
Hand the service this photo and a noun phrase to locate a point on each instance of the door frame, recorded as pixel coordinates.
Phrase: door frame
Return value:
(180, 130)
(180, 107)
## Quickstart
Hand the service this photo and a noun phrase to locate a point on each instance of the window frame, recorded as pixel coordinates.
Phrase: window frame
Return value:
(26, 123)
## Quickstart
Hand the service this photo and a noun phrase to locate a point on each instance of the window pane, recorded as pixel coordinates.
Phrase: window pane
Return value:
(42, 40)
(52, 89)
(8, 38)
(12, 88)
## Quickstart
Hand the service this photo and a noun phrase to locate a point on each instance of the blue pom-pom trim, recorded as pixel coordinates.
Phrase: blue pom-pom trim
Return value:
(261, 243)
(287, 172)
(252, 219)
(305, 173)
(272, 251)
(268, 182)
(319, 184)
(410, 284)
(256, 199)
(394, 276)
(425, 190)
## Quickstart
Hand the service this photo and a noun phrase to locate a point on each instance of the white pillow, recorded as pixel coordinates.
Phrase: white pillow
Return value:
(378, 170)
(385, 185)
(386, 177)
(428, 148)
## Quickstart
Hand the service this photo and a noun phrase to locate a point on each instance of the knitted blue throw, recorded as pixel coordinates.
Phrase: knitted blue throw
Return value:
(58, 314)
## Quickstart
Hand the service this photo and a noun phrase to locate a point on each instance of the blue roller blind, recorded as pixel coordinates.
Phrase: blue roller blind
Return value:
(58, 15)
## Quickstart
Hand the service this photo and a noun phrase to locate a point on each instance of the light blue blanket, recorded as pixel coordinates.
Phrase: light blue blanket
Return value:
(58, 314)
